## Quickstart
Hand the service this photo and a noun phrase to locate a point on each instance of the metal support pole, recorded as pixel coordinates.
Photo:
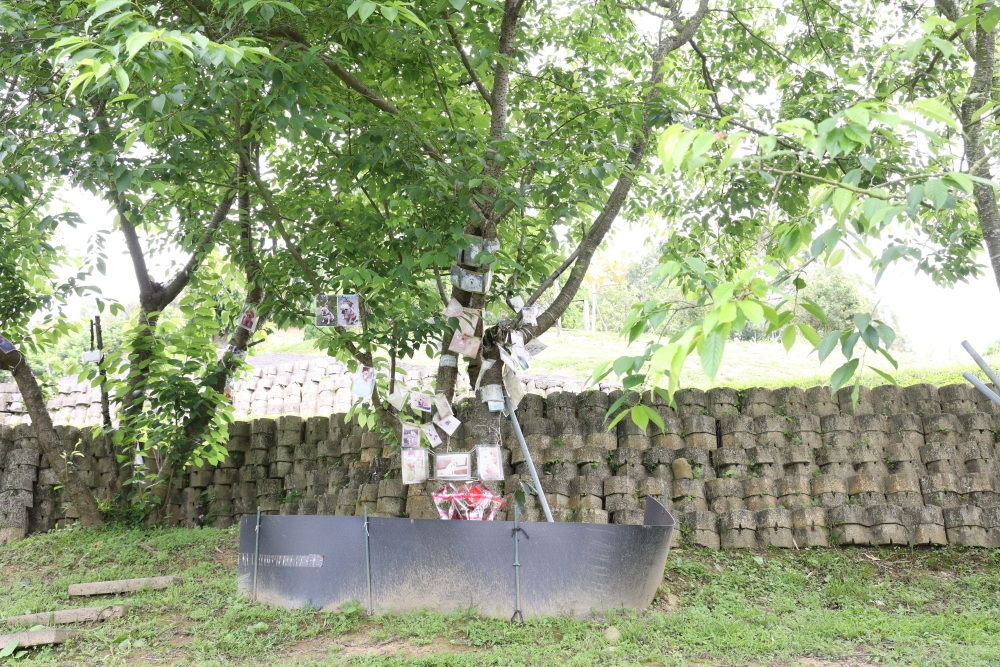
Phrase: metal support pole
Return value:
(527, 456)
(256, 553)
(984, 390)
(982, 364)
(368, 565)
(517, 570)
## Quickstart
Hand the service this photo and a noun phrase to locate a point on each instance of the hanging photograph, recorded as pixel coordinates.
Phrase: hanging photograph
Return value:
(453, 465)
(474, 245)
(489, 463)
(467, 346)
(420, 402)
(468, 318)
(443, 406)
(471, 281)
(397, 399)
(348, 310)
(534, 347)
(411, 436)
(235, 354)
(431, 434)
(230, 391)
(92, 357)
(494, 406)
(513, 386)
(530, 314)
(248, 318)
(448, 424)
(364, 382)
(414, 465)
(491, 392)
(324, 316)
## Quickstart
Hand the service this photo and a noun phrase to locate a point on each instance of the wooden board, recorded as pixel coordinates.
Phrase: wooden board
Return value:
(37, 637)
(121, 586)
(82, 615)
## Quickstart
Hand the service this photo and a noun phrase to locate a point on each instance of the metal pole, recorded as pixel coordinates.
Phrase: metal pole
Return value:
(978, 384)
(256, 553)
(527, 456)
(517, 571)
(982, 364)
(368, 566)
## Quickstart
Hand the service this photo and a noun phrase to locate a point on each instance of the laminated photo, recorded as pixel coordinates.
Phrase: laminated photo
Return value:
(443, 406)
(491, 392)
(364, 382)
(431, 434)
(230, 389)
(467, 346)
(348, 310)
(530, 314)
(453, 465)
(420, 402)
(473, 282)
(468, 318)
(494, 406)
(235, 354)
(92, 357)
(508, 360)
(448, 424)
(474, 245)
(513, 385)
(6, 346)
(489, 463)
(485, 365)
(324, 316)
(534, 347)
(414, 466)
(248, 318)
(516, 302)
(411, 436)
(397, 399)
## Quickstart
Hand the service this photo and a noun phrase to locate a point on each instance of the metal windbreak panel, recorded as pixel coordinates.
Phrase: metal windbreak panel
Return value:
(318, 560)
(442, 565)
(570, 569)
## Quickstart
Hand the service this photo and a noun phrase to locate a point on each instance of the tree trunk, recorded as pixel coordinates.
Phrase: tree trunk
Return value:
(978, 94)
(77, 492)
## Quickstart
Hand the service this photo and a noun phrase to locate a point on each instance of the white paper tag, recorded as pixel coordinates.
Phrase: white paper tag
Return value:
(513, 385)
(397, 399)
(448, 424)
(516, 302)
(535, 347)
(449, 361)
(486, 365)
(443, 406)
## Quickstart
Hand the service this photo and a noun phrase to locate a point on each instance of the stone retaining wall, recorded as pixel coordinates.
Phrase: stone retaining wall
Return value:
(756, 468)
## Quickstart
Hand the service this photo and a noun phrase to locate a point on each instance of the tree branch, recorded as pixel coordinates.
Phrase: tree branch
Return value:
(465, 60)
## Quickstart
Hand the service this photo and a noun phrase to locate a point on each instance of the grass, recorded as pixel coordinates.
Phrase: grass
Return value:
(832, 607)
(746, 364)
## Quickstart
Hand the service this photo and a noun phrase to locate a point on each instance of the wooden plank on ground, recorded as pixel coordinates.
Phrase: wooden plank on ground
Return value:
(121, 586)
(82, 615)
(37, 637)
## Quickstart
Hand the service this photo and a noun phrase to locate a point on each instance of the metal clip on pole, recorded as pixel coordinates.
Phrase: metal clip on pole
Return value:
(527, 456)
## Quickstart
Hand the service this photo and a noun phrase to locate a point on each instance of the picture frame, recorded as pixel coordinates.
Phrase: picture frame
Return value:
(348, 310)
(249, 318)
(453, 466)
(414, 463)
(489, 463)
(410, 436)
(325, 317)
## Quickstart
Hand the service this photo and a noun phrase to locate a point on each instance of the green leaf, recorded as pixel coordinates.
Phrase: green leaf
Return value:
(885, 376)
(390, 14)
(354, 7)
(9, 649)
(933, 109)
(712, 349)
(813, 309)
(623, 365)
(158, 102)
(457, 4)
(848, 343)
(842, 375)
(861, 320)
(870, 337)
(752, 310)
(885, 333)
(809, 334)
(842, 202)
(788, 337)
(960, 181)
(988, 21)
(639, 417)
(835, 257)
(936, 190)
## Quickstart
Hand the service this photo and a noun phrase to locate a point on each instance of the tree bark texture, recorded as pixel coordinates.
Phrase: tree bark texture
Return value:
(74, 488)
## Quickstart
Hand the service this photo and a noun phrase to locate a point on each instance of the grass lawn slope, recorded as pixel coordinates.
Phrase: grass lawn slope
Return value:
(827, 608)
